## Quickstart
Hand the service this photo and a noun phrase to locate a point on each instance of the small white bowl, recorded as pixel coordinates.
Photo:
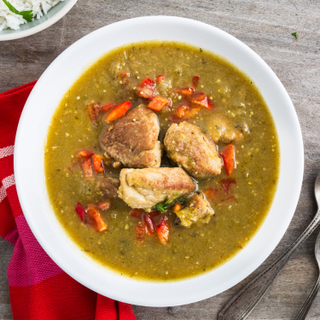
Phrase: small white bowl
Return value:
(37, 25)
(29, 153)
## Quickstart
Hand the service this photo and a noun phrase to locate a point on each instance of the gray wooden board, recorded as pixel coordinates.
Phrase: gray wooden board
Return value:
(266, 27)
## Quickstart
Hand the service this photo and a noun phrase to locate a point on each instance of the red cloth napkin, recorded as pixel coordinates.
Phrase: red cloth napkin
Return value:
(39, 289)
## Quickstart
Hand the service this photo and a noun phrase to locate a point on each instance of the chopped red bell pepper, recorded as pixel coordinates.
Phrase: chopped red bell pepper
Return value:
(136, 213)
(97, 163)
(185, 91)
(228, 156)
(95, 219)
(160, 78)
(84, 154)
(153, 214)
(182, 111)
(108, 106)
(226, 184)
(80, 211)
(87, 168)
(146, 89)
(210, 193)
(158, 102)
(163, 230)
(202, 100)
(195, 81)
(118, 111)
(140, 230)
(148, 223)
(105, 205)
(94, 110)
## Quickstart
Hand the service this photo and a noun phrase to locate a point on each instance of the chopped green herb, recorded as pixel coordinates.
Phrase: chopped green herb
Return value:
(295, 34)
(27, 15)
(164, 206)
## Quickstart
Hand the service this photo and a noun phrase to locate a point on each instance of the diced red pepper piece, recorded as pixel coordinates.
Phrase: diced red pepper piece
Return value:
(105, 205)
(185, 91)
(210, 193)
(118, 111)
(163, 230)
(226, 184)
(108, 106)
(94, 110)
(136, 213)
(146, 89)
(95, 219)
(97, 163)
(80, 211)
(148, 223)
(175, 119)
(140, 230)
(195, 81)
(87, 168)
(158, 102)
(84, 154)
(160, 78)
(202, 100)
(228, 156)
(182, 111)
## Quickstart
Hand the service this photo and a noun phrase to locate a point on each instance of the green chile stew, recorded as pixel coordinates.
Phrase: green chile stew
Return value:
(181, 84)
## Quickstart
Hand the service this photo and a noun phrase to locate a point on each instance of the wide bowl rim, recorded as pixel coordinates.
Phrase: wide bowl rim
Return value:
(186, 290)
(17, 34)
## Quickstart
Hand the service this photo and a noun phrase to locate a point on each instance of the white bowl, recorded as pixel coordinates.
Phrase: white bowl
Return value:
(37, 25)
(29, 153)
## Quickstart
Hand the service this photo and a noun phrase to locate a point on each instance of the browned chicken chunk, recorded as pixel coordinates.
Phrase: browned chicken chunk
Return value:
(193, 150)
(109, 186)
(144, 188)
(222, 129)
(197, 210)
(133, 140)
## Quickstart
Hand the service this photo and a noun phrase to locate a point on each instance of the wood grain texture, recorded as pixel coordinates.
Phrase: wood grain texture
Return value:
(266, 27)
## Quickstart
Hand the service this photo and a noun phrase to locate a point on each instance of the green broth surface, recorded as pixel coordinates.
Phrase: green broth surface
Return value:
(238, 214)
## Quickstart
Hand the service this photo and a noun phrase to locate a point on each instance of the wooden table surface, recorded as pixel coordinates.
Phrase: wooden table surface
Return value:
(266, 27)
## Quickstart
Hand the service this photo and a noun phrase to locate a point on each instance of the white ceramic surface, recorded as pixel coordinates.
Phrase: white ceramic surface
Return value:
(29, 152)
(37, 25)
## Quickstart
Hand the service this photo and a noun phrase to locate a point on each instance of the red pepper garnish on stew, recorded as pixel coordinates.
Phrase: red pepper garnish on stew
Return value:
(95, 219)
(98, 163)
(160, 78)
(228, 156)
(118, 111)
(84, 154)
(163, 230)
(105, 205)
(136, 213)
(108, 106)
(146, 89)
(202, 100)
(158, 102)
(80, 211)
(195, 81)
(186, 91)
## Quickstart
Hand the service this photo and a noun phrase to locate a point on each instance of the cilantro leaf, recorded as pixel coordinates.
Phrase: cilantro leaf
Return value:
(27, 15)
(295, 34)
(165, 205)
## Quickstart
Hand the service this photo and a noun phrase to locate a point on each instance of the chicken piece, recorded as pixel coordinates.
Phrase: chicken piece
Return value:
(222, 129)
(197, 210)
(144, 188)
(193, 150)
(133, 139)
(109, 186)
